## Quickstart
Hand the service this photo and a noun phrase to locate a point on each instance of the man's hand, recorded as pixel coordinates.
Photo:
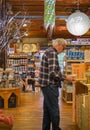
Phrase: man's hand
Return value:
(70, 78)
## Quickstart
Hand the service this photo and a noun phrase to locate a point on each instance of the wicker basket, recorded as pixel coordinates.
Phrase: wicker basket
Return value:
(4, 126)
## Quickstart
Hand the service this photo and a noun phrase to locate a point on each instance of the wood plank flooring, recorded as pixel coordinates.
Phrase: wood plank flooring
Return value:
(28, 116)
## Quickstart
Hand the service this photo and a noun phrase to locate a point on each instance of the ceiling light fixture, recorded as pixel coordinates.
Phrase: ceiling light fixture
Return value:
(78, 23)
(24, 25)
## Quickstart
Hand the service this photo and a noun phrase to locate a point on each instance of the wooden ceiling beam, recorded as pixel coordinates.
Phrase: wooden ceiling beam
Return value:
(34, 10)
(25, 2)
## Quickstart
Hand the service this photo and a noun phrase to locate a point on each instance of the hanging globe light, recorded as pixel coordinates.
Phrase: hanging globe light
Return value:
(78, 23)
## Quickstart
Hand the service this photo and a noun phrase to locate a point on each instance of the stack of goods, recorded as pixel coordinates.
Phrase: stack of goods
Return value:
(1, 74)
(11, 76)
(8, 79)
(75, 54)
(87, 56)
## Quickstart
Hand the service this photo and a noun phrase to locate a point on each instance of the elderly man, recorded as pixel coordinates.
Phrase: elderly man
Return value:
(49, 79)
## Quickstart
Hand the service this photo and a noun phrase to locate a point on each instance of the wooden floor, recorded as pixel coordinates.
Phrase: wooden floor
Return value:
(29, 115)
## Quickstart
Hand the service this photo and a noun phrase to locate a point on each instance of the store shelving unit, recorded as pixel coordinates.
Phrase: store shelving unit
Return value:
(73, 56)
(30, 65)
(18, 62)
(24, 64)
(67, 92)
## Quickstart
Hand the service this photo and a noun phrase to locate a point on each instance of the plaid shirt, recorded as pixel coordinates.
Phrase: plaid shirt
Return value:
(50, 69)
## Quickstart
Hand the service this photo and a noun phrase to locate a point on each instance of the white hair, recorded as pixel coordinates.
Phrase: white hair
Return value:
(59, 41)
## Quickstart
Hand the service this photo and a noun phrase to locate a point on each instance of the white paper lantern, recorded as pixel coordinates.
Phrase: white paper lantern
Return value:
(78, 23)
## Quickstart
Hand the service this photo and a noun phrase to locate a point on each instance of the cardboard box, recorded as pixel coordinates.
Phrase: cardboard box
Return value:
(79, 70)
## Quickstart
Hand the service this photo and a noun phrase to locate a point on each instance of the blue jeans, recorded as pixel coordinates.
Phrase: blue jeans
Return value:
(50, 107)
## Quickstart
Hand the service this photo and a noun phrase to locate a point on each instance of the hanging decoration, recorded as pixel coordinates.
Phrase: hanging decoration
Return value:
(10, 27)
(49, 13)
(78, 23)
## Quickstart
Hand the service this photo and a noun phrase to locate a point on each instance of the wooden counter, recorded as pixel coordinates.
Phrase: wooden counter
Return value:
(6, 94)
(79, 87)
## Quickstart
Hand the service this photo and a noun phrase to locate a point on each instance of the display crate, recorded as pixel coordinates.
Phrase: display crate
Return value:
(67, 92)
(82, 105)
(67, 96)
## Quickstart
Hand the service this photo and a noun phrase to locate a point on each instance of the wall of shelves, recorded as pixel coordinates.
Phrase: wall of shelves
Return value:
(67, 89)
(74, 64)
(24, 64)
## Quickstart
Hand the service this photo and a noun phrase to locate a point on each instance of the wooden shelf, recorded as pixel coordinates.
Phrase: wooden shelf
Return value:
(66, 96)
(74, 61)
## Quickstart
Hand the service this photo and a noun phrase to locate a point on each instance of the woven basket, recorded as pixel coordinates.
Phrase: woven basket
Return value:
(4, 126)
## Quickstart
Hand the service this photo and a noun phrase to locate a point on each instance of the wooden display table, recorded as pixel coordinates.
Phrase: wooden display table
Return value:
(78, 88)
(4, 126)
(81, 105)
(10, 96)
